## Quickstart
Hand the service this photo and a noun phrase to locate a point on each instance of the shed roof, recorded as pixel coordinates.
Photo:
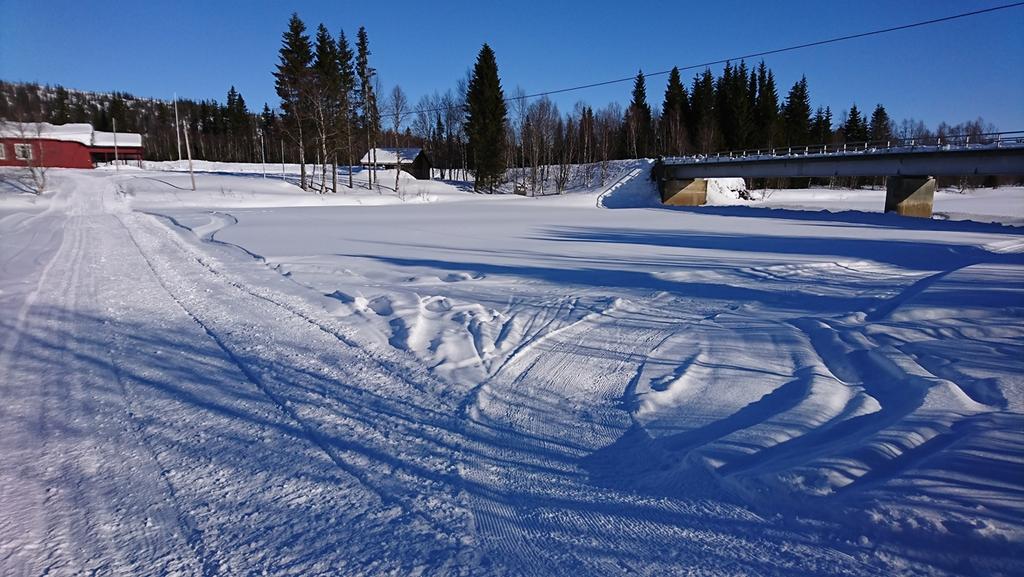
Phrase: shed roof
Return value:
(126, 139)
(392, 155)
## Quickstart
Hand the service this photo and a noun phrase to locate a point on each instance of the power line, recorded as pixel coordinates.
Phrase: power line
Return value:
(781, 50)
(743, 57)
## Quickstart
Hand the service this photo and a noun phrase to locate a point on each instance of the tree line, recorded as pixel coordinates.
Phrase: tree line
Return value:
(333, 110)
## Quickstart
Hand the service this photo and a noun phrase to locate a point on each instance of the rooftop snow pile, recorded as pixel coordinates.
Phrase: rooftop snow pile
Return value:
(81, 133)
(118, 138)
(391, 155)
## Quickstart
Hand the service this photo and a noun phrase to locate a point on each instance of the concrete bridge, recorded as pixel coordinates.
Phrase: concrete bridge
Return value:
(910, 168)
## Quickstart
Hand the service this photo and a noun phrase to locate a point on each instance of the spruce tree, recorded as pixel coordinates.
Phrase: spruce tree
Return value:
(119, 113)
(723, 106)
(367, 100)
(59, 111)
(752, 105)
(267, 118)
(821, 128)
(296, 55)
(438, 137)
(766, 109)
(326, 100)
(674, 111)
(639, 116)
(705, 132)
(346, 113)
(739, 109)
(856, 128)
(485, 121)
(881, 125)
(236, 124)
(796, 115)
(268, 124)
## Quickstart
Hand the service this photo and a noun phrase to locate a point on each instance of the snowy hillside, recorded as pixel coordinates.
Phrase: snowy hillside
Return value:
(250, 379)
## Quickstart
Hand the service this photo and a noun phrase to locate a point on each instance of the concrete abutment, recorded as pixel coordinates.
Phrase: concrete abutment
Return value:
(686, 192)
(910, 195)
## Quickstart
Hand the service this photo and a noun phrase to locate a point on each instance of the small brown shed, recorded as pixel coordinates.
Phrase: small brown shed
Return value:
(412, 160)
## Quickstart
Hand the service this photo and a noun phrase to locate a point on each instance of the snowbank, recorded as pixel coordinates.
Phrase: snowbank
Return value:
(726, 191)
(235, 185)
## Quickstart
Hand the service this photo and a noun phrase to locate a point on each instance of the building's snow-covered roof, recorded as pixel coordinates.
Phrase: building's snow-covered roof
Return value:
(392, 155)
(81, 133)
(128, 139)
(69, 132)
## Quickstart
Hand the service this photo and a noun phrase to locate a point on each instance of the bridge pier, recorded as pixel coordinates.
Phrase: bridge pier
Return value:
(686, 192)
(910, 195)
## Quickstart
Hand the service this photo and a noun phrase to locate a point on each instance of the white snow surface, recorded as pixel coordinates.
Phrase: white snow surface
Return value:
(251, 379)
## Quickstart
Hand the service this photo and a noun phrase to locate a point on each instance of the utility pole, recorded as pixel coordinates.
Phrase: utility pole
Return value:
(177, 126)
(188, 150)
(282, 159)
(263, 153)
(117, 168)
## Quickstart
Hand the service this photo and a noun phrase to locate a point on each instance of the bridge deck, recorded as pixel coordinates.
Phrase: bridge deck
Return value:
(933, 162)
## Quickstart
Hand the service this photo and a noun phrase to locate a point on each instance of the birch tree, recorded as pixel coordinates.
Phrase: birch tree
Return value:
(397, 108)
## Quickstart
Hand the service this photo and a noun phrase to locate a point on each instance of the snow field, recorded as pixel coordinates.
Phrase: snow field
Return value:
(250, 378)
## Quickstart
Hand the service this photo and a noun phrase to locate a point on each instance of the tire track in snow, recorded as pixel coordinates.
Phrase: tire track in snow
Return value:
(259, 383)
(194, 536)
(82, 459)
(862, 446)
(414, 377)
(333, 448)
(545, 495)
(95, 500)
(882, 311)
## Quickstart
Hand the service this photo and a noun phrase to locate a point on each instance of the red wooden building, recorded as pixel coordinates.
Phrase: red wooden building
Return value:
(65, 145)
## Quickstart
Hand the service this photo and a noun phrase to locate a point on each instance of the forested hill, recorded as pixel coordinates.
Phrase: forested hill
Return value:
(219, 131)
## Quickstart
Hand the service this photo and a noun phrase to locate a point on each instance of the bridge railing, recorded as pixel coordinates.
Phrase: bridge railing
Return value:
(930, 143)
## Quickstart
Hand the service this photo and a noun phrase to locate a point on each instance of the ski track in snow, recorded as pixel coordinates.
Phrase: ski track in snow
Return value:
(185, 397)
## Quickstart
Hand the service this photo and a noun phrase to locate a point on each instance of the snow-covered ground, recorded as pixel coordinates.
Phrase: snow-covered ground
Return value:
(252, 379)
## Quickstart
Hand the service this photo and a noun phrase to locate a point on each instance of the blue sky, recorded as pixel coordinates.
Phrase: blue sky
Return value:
(953, 71)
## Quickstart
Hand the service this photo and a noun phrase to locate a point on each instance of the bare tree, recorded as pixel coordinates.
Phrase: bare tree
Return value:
(397, 106)
(30, 152)
(542, 120)
(453, 117)
(520, 107)
(324, 112)
(423, 119)
(608, 122)
(586, 139)
(566, 142)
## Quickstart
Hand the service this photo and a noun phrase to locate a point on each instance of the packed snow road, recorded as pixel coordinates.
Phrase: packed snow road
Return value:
(193, 386)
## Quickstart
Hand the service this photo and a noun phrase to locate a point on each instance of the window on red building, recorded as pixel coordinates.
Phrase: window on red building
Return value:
(23, 151)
